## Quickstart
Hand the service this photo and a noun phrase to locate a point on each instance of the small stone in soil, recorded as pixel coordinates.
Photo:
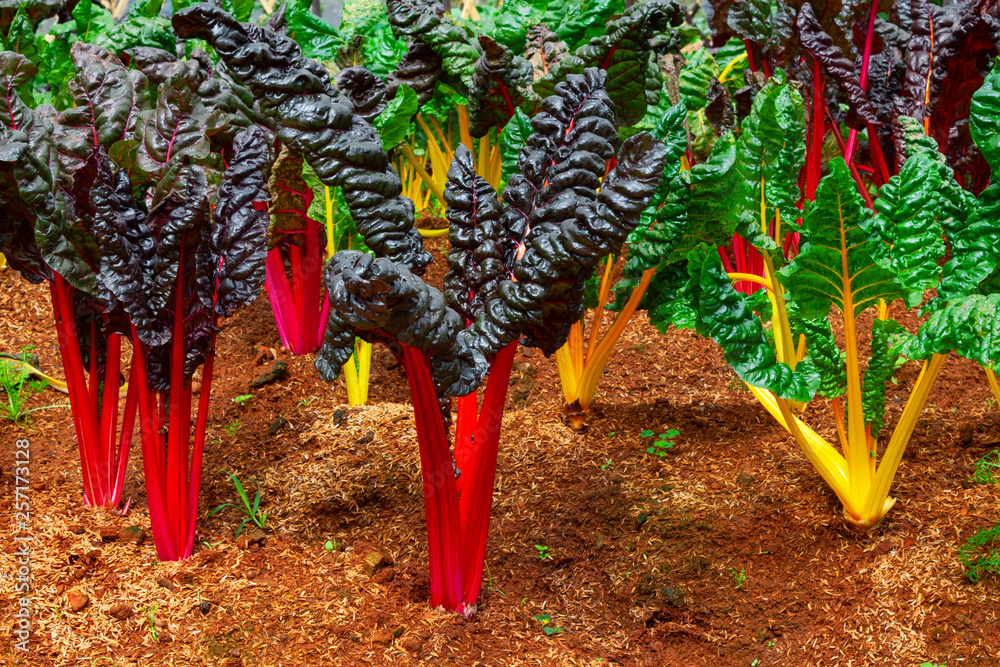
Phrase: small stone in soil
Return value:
(132, 534)
(121, 611)
(77, 600)
(366, 438)
(339, 417)
(108, 533)
(374, 561)
(205, 607)
(744, 480)
(277, 425)
(278, 371)
(77, 530)
(166, 583)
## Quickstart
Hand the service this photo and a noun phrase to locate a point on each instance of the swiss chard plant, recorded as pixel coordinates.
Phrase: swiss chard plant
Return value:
(49, 161)
(127, 206)
(517, 267)
(864, 264)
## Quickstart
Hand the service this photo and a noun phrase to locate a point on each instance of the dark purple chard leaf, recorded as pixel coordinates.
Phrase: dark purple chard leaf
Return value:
(765, 22)
(17, 242)
(475, 261)
(238, 245)
(818, 44)
(543, 49)
(500, 86)
(34, 11)
(426, 21)
(108, 98)
(128, 250)
(918, 61)
(565, 216)
(600, 228)
(314, 122)
(419, 69)
(366, 91)
(717, 15)
(377, 299)
(177, 131)
(218, 90)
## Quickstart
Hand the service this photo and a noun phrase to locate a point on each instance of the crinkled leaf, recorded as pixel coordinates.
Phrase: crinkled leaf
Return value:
(907, 222)
(420, 69)
(818, 44)
(543, 49)
(881, 365)
(393, 124)
(835, 265)
(378, 300)
(575, 22)
(969, 326)
(770, 154)
(732, 324)
(512, 140)
(475, 262)
(501, 85)
(827, 358)
(426, 21)
(343, 149)
(238, 244)
(177, 131)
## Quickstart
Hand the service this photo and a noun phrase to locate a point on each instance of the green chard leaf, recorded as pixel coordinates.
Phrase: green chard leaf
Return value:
(835, 237)
(727, 318)
(969, 326)
(907, 223)
(512, 139)
(881, 365)
(824, 354)
(984, 118)
(770, 154)
(393, 124)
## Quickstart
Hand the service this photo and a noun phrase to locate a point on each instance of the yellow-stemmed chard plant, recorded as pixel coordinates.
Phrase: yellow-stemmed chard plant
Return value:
(855, 264)
(438, 156)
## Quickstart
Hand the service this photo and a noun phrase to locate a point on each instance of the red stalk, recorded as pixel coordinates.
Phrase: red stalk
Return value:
(476, 501)
(818, 130)
(299, 305)
(440, 493)
(103, 461)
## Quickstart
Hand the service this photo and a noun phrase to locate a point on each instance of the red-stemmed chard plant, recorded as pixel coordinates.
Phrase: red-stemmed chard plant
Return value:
(517, 268)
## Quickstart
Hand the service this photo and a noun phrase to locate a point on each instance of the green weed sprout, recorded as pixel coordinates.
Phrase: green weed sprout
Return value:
(251, 510)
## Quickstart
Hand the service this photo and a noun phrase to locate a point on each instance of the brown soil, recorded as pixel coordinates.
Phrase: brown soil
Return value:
(728, 551)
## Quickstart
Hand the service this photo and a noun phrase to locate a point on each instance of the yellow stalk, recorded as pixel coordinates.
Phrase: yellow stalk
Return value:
(496, 166)
(3, 261)
(878, 502)
(750, 277)
(357, 371)
(414, 161)
(597, 358)
(735, 61)
(602, 300)
(858, 464)
(883, 310)
(782, 327)
(329, 222)
(800, 353)
(991, 377)
(569, 361)
(463, 126)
